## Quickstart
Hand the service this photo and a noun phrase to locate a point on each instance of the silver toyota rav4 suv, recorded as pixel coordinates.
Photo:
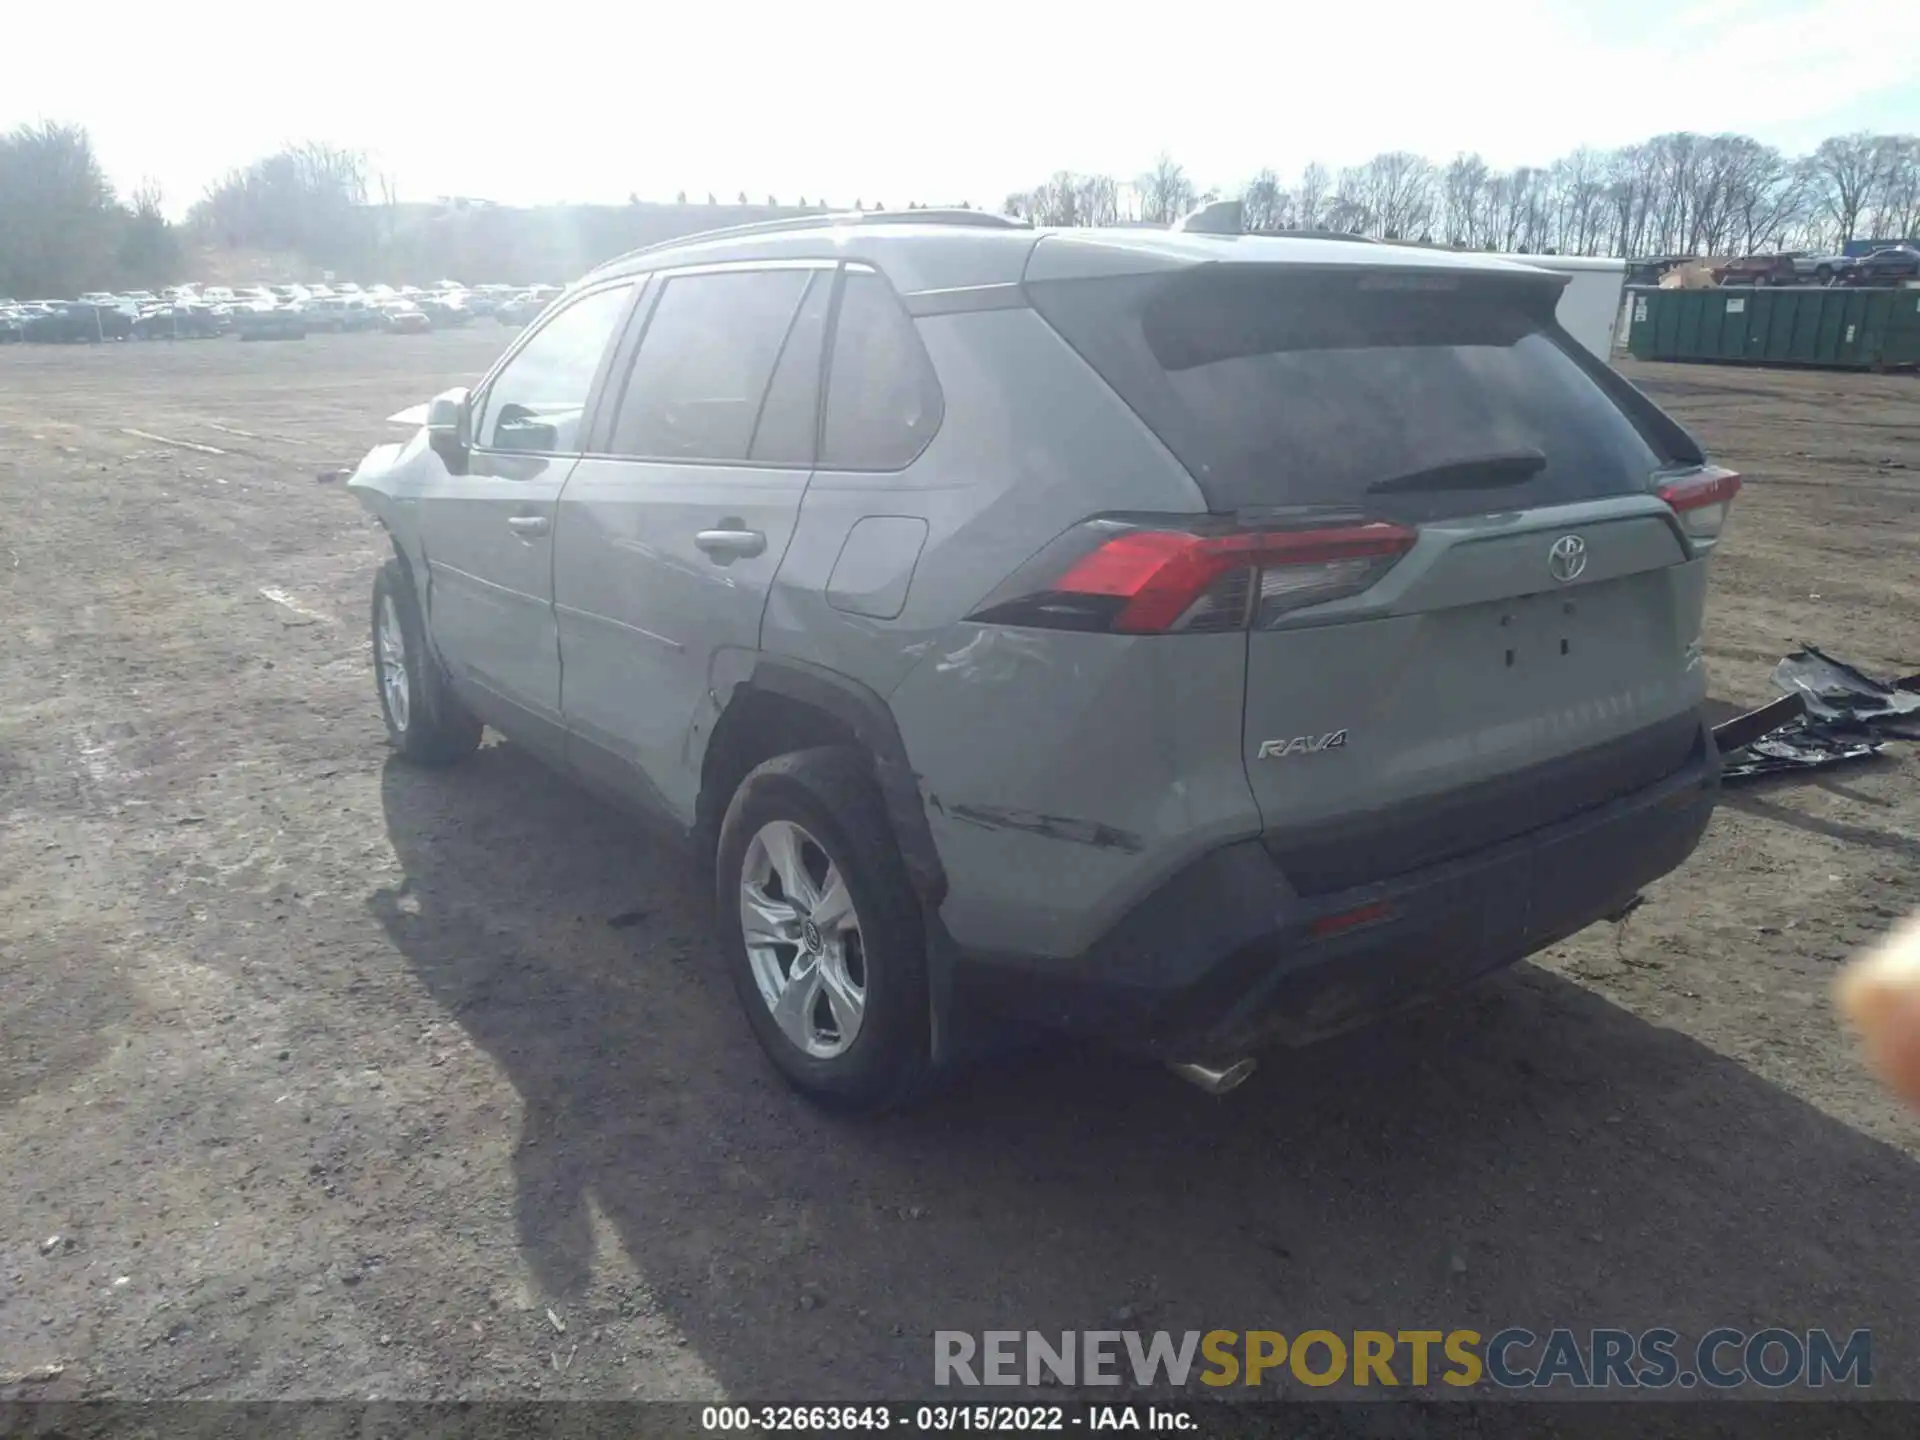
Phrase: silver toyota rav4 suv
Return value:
(1197, 641)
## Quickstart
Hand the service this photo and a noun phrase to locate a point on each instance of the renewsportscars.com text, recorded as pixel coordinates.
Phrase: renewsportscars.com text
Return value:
(1774, 1358)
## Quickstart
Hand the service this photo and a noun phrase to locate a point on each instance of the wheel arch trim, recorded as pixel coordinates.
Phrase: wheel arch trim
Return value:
(871, 721)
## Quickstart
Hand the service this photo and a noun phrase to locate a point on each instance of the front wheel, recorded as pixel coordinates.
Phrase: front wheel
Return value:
(825, 940)
(425, 721)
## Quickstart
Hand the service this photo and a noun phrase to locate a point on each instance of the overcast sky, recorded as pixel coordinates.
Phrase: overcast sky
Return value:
(936, 103)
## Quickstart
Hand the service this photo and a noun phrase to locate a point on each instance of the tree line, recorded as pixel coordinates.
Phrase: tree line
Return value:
(1675, 194)
(63, 229)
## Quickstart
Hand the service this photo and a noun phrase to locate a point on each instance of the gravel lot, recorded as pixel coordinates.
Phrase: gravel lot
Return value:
(338, 1079)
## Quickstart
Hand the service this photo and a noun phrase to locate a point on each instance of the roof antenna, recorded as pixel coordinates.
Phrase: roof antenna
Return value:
(1216, 217)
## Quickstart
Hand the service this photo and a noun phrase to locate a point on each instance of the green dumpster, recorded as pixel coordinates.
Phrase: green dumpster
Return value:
(1835, 326)
(1734, 312)
(1901, 343)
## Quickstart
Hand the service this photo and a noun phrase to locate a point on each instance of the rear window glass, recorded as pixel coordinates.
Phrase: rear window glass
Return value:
(1407, 396)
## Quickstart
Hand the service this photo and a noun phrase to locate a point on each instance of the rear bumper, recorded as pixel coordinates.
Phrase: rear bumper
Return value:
(1227, 957)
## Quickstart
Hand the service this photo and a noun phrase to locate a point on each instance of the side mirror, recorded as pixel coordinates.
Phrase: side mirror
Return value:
(449, 417)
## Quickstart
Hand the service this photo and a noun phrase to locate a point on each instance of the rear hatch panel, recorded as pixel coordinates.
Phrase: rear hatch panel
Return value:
(1533, 654)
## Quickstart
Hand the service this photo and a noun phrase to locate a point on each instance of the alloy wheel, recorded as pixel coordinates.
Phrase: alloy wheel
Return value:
(803, 938)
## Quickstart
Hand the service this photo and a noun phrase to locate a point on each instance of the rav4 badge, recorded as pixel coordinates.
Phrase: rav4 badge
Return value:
(1303, 745)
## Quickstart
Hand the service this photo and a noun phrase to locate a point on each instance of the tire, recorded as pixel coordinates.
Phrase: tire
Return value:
(1823, 274)
(827, 800)
(431, 727)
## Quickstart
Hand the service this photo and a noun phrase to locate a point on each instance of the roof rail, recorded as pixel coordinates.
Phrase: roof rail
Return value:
(965, 219)
(946, 215)
(1352, 237)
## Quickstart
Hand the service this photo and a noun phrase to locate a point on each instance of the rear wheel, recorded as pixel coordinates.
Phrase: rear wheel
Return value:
(425, 722)
(825, 942)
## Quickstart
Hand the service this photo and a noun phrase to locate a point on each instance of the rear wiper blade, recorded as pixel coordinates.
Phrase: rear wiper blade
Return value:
(1484, 472)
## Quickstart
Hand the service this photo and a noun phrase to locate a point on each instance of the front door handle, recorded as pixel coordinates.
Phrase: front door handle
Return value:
(725, 545)
(527, 526)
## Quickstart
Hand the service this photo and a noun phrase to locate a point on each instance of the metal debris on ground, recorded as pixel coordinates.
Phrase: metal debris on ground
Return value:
(1834, 690)
(1833, 713)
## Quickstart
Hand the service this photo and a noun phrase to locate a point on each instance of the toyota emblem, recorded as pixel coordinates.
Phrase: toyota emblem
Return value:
(1567, 560)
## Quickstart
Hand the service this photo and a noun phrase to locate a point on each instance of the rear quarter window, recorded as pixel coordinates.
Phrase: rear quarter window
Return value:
(883, 400)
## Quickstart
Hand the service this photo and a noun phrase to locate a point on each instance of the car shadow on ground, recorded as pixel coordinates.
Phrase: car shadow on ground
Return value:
(1527, 1154)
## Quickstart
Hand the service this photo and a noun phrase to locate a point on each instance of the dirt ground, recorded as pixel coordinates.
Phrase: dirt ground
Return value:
(337, 1079)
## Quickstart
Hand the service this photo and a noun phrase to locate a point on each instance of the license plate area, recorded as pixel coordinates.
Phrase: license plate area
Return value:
(1538, 636)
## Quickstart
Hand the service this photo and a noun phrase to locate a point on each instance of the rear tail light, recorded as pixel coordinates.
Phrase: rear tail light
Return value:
(1133, 578)
(1702, 500)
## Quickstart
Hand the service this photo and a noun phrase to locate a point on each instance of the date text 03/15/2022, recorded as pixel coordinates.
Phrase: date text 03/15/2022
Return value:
(937, 1419)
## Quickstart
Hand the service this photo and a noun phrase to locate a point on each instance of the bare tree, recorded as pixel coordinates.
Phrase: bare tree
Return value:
(1895, 202)
(1765, 196)
(1059, 201)
(1310, 197)
(1499, 226)
(1846, 171)
(1165, 191)
(1068, 199)
(1265, 205)
(149, 250)
(1397, 191)
(58, 221)
(1463, 190)
(1348, 210)
(1630, 187)
(310, 198)
(1097, 200)
(1579, 194)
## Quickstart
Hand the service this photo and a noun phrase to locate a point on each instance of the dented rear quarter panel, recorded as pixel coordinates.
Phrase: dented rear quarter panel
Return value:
(1068, 775)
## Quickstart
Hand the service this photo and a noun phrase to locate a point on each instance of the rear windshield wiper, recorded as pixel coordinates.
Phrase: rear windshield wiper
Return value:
(1484, 472)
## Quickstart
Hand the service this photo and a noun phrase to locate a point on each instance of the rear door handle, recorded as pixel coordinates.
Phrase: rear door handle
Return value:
(527, 526)
(725, 545)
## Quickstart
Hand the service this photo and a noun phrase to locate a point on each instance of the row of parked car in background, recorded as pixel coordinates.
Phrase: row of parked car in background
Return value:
(1895, 265)
(1889, 265)
(267, 312)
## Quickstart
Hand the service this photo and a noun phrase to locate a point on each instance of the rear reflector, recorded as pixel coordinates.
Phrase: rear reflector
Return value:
(1132, 579)
(1347, 920)
(1702, 500)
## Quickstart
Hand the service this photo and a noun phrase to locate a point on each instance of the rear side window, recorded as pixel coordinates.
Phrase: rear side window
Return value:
(1409, 397)
(709, 350)
(883, 402)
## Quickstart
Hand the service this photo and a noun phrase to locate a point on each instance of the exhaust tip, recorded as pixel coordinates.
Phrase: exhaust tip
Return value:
(1215, 1079)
